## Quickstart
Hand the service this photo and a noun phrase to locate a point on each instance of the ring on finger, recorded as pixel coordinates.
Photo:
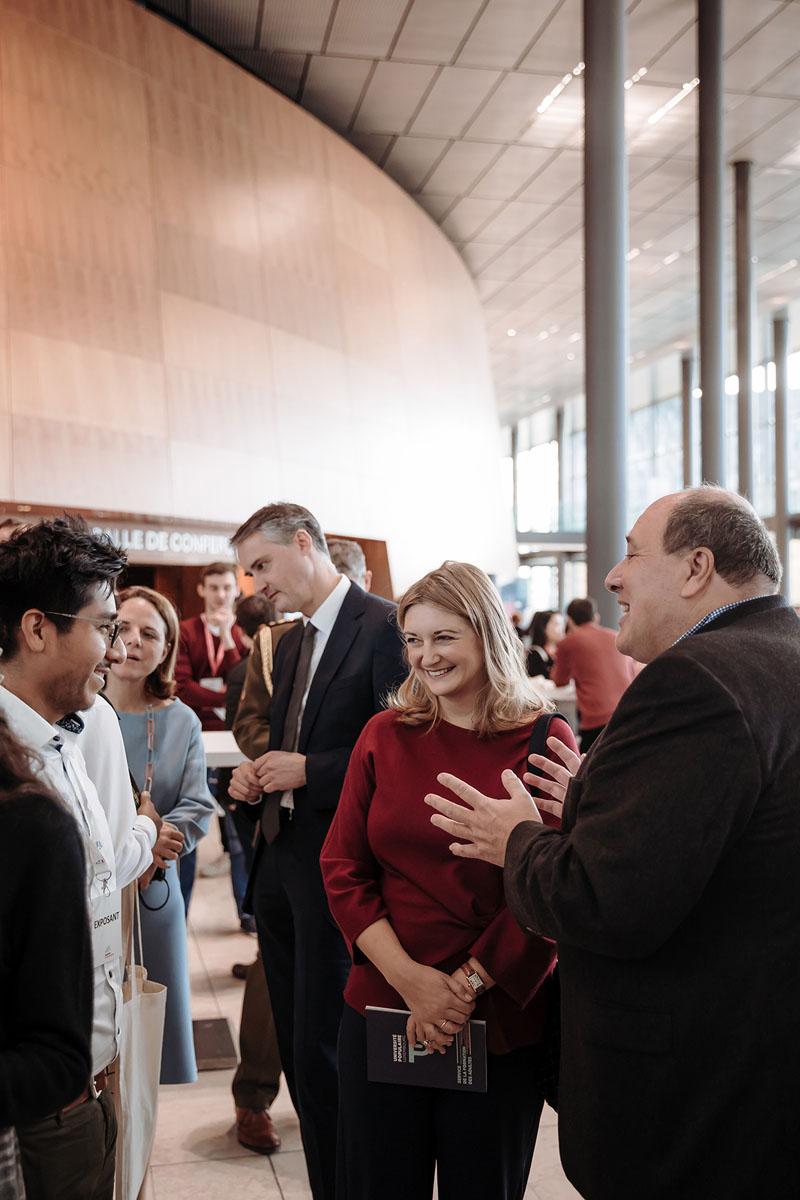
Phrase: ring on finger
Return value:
(442, 1025)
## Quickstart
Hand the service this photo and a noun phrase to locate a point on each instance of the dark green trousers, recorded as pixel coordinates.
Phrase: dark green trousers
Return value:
(70, 1156)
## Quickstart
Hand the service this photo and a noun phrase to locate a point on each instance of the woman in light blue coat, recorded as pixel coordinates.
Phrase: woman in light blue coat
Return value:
(166, 759)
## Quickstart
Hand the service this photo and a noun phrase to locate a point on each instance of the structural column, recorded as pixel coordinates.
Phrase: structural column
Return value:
(606, 221)
(515, 476)
(780, 337)
(711, 168)
(745, 309)
(688, 422)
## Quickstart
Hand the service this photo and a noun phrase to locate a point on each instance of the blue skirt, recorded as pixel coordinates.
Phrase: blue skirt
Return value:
(166, 957)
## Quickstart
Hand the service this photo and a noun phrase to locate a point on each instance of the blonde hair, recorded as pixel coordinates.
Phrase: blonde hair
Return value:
(509, 698)
(161, 682)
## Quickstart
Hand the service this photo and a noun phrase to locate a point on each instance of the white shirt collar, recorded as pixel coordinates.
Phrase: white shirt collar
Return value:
(32, 729)
(325, 616)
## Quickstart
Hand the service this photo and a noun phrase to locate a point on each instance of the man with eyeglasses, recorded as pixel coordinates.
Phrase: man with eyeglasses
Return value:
(58, 638)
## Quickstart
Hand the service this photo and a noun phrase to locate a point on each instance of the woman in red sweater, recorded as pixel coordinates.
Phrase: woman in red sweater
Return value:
(430, 932)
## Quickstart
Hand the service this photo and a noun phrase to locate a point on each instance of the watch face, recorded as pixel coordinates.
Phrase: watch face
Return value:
(475, 981)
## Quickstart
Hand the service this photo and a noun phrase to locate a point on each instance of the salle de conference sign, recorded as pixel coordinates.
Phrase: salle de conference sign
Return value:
(144, 543)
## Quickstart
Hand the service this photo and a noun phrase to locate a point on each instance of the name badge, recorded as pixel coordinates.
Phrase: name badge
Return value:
(106, 915)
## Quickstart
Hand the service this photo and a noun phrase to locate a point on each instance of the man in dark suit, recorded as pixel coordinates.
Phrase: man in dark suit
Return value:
(672, 888)
(330, 675)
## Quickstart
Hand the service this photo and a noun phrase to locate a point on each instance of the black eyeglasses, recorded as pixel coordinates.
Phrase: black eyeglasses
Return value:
(109, 630)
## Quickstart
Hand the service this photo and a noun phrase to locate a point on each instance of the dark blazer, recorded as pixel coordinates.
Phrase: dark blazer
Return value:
(673, 892)
(363, 661)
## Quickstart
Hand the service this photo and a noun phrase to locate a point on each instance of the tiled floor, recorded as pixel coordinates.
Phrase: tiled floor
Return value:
(196, 1155)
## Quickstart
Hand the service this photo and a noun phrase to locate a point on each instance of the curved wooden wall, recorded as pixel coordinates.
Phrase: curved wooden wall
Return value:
(209, 300)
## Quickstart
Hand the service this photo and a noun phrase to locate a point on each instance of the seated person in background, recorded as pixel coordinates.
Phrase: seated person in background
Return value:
(167, 762)
(419, 922)
(546, 631)
(588, 654)
(45, 951)
(210, 645)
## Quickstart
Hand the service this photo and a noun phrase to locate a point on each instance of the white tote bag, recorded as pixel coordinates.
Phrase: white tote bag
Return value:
(144, 1005)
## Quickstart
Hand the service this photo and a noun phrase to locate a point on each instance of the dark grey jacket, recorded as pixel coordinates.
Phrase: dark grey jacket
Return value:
(673, 891)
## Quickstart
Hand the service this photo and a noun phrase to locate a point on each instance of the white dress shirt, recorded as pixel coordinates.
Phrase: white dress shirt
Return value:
(103, 751)
(64, 769)
(323, 620)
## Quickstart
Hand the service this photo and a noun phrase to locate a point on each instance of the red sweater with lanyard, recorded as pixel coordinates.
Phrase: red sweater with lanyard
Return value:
(200, 656)
(383, 858)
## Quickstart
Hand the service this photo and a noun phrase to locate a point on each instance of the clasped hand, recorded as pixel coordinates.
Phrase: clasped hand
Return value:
(275, 771)
(440, 1006)
(167, 848)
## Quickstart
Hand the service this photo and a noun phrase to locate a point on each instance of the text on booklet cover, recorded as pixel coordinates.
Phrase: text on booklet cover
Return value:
(390, 1059)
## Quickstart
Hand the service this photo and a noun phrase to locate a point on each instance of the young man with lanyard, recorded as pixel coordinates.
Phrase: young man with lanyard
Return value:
(58, 636)
(210, 645)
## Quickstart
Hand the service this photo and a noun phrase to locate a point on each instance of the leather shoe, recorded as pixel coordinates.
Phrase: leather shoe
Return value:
(255, 1130)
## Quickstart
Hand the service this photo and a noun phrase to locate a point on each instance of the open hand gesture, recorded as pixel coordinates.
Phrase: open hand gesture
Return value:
(559, 776)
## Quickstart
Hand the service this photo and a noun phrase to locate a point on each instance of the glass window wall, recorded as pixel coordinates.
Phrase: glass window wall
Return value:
(546, 470)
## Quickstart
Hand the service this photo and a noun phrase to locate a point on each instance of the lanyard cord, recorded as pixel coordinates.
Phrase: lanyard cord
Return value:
(214, 659)
(148, 784)
(151, 742)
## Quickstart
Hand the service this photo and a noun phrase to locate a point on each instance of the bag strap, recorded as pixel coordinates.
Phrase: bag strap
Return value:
(538, 739)
(137, 929)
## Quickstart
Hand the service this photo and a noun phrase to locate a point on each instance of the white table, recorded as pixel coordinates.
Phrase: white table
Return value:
(221, 749)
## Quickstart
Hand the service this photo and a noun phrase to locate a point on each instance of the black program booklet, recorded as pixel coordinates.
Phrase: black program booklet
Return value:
(390, 1059)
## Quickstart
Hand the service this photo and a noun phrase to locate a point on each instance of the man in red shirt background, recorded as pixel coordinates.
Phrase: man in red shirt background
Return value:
(589, 656)
(210, 646)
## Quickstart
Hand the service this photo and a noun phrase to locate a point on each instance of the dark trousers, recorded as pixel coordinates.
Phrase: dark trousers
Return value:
(70, 1156)
(258, 1076)
(589, 737)
(391, 1137)
(306, 964)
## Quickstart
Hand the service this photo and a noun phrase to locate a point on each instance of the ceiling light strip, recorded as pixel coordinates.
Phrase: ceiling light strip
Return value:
(685, 91)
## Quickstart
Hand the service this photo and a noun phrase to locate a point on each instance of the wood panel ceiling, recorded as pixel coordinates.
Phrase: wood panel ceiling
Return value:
(450, 97)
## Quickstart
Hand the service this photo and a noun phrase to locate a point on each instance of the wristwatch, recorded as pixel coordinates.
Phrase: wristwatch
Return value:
(473, 979)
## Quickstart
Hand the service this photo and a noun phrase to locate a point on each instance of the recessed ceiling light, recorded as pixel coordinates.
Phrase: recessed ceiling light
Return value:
(511, 332)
